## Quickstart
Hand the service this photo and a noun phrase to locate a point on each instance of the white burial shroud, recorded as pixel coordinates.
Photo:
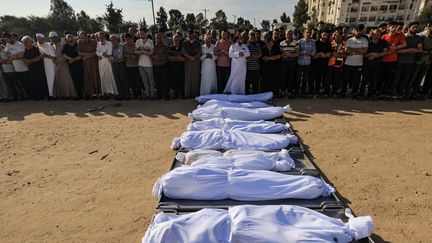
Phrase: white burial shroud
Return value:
(253, 111)
(238, 159)
(262, 97)
(219, 139)
(245, 126)
(198, 183)
(248, 223)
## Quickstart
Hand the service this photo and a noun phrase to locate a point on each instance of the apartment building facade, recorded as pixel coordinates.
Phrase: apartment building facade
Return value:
(368, 12)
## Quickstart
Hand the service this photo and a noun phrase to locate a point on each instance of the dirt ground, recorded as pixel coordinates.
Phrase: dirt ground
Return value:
(69, 175)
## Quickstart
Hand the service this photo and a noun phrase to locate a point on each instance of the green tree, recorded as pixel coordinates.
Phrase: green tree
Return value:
(88, 24)
(38, 24)
(288, 19)
(161, 19)
(113, 18)
(62, 16)
(19, 25)
(201, 21)
(284, 18)
(300, 15)
(190, 21)
(265, 25)
(142, 23)
(219, 21)
(124, 27)
(425, 16)
(275, 21)
(176, 20)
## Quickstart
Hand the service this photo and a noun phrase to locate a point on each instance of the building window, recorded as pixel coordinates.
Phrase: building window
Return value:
(352, 20)
(372, 19)
(383, 8)
(408, 17)
(402, 7)
(411, 6)
(355, 1)
(365, 8)
(393, 8)
(399, 18)
(346, 20)
(374, 8)
(363, 19)
(354, 10)
(381, 18)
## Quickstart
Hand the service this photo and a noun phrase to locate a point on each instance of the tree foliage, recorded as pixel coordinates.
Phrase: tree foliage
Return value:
(161, 19)
(113, 18)
(62, 16)
(190, 21)
(176, 20)
(142, 23)
(284, 18)
(300, 15)
(88, 24)
(219, 21)
(425, 16)
(265, 25)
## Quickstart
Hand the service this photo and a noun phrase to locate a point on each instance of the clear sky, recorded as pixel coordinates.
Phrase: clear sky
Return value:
(136, 9)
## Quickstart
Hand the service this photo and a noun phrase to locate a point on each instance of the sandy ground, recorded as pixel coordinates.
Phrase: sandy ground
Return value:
(68, 175)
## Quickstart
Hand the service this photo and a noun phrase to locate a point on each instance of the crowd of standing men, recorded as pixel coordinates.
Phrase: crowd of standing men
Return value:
(390, 61)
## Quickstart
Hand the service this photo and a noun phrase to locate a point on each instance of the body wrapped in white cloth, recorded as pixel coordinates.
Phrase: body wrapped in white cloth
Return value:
(262, 97)
(198, 183)
(248, 223)
(238, 159)
(219, 139)
(245, 126)
(253, 111)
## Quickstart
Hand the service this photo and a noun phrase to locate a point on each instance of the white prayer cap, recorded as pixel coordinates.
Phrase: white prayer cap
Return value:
(39, 35)
(52, 34)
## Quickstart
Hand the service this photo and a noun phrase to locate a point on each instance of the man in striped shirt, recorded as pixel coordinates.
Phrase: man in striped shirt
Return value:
(253, 67)
(307, 50)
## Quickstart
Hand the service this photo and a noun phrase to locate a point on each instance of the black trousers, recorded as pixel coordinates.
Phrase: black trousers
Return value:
(270, 77)
(402, 78)
(252, 79)
(178, 78)
(288, 75)
(427, 85)
(353, 74)
(223, 74)
(119, 71)
(24, 80)
(318, 74)
(302, 80)
(371, 76)
(134, 80)
(388, 72)
(16, 90)
(418, 73)
(162, 81)
(76, 71)
(333, 80)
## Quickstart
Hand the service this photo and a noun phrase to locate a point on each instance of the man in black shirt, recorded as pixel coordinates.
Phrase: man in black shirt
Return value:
(320, 63)
(377, 48)
(177, 67)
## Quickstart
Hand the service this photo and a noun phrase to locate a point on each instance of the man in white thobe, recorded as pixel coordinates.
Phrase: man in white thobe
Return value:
(48, 52)
(208, 68)
(238, 53)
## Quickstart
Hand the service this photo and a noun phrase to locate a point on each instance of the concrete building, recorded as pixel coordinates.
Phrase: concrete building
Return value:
(367, 12)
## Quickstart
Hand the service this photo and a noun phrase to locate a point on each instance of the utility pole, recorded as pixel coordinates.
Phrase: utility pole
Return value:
(154, 19)
(235, 17)
(254, 22)
(205, 13)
